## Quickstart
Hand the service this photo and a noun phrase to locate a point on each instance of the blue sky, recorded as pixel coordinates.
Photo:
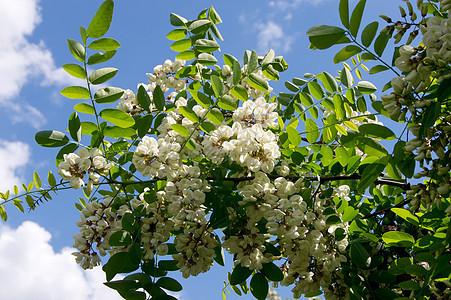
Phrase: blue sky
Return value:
(33, 48)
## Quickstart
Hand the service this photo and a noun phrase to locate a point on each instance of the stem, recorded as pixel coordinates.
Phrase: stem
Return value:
(376, 56)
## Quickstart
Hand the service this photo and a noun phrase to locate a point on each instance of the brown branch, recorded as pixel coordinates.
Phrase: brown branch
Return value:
(355, 176)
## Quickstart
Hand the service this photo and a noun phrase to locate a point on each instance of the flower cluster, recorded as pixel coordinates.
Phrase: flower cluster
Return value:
(74, 167)
(163, 76)
(97, 223)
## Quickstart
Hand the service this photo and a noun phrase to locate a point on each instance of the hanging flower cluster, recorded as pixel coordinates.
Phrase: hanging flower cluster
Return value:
(74, 167)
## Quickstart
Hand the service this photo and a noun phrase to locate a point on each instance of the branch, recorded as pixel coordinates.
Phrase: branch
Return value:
(355, 176)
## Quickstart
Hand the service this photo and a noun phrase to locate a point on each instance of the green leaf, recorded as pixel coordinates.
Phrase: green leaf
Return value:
(129, 223)
(176, 34)
(293, 136)
(316, 90)
(239, 274)
(120, 238)
(102, 75)
(359, 255)
(3, 214)
(75, 70)
(108, 95)
(207, 59)
(252, 63)
(177, 20)
(369, 33)
(346, 53)
(430, 116)
(200, 26)
(346, 78)
(227, 102)
(327, 155)
(158, 98)
(215, 116)
(188, 113)
(121, 262)
(76, 49)
(369, 175)
(83, 35)
(87, 128)
(169, 284)
(207, 127)
(377, 69)
(218, 88)
(84, 108)
(143, 98)
(51, 179)
(306, 99)
(117, 132)
(180, 129)
(101, 21)
(377, 131)
(51, 138)
(272, 272)
(312, 132)
(381, 43)
(117, 117)
(356, 17)
(339, 107)
(259, 286)
(328, 81)
(100, 57)
(204, 45)
(342, 156)
(37, 180)
(236, 76)
(410, 285)
(366, 87)
(201, 99)
(257, 82)
(398, 239)
(239, 92)
(349, 214)
(406, 215)
(324, 36)
(104, 44)
(182, 45)
(186, 55)
(75, 92)
(168, 265)
(230, 60)
(143, 125)
(75, 127)
(344, 12)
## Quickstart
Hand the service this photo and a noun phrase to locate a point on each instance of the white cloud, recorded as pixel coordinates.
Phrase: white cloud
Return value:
(22, 60)
(284, 5)
(13, 157)
(31, 269)
(271, 35)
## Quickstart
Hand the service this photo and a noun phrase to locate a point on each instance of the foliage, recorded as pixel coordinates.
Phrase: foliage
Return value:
(298, 186)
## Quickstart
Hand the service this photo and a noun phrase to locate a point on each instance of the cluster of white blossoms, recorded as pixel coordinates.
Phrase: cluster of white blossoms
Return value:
(421, 65)
(97, 223)
(163, 76)
(74, 167)
(313, 253)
